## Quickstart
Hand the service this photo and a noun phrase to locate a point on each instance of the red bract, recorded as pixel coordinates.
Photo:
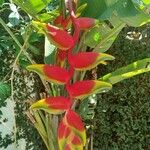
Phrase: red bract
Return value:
(51, 73)
(83, 60)
(59, 37)
(53, 105)
(71, 132)
(62, 22)
(76, 140)
(88, 60)
(86, 23)
(58, 20)
(74, 120)
(82, 89)
(63, 130)
(67, 147)
(61, 57)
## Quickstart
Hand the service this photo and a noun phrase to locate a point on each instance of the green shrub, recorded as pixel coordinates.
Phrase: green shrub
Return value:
(123, 115)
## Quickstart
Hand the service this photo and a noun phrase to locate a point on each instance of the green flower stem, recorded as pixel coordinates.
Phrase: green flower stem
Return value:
(81, 42)
(39, 121)
(43, 137)
(49, 133)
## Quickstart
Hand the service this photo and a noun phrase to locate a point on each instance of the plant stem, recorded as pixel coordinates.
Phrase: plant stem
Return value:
(49, 133)
(12, 83)
(14, 38)
(91, 141)
(10, 32)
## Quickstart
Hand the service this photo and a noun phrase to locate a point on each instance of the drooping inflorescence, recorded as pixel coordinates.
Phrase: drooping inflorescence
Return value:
(71, 131)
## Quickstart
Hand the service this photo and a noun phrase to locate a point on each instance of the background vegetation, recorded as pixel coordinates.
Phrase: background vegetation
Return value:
(122, 117)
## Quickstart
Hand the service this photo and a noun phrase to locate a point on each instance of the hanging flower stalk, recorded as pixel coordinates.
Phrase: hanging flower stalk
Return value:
(71, 131)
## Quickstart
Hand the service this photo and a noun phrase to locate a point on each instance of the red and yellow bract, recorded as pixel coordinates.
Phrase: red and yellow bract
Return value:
(53, 105)
(71, 132)
(59, 37)
(51, 73)
(88, 60)
(82, 89)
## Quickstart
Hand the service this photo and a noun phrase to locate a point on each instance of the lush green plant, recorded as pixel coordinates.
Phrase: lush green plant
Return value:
(99, 38)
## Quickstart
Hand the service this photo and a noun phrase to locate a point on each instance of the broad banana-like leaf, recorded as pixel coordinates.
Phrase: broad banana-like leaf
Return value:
(60, 38)
(86, 23)
(32, 7)
(88, 60)
(101, 37)
(126, 10)
(82, 89)
(53, 105)
(51, 73)
(128, 71)
(71, 132)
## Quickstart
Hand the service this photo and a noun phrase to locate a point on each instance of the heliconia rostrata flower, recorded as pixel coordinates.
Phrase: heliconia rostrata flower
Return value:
(71, 131)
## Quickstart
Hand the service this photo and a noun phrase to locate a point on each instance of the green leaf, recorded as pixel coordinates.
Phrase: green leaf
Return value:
(80, 9)
(49, 52)
(48, 16)
(87, 106)
(1, 2)
(123, 9)
(5, 91)
(32, 7)
(102, 36)
(94, 10)
(143, 5)
(138, 67)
